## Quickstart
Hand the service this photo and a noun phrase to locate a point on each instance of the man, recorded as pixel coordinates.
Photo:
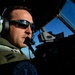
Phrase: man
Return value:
(15, 36)
(19, 21)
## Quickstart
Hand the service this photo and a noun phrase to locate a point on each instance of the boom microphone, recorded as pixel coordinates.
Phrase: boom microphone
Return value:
(29, 42)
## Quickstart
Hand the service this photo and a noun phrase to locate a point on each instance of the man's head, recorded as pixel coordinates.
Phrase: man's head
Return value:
(20, 21)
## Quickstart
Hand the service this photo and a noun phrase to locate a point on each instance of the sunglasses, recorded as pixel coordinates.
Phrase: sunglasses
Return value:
(22, 23)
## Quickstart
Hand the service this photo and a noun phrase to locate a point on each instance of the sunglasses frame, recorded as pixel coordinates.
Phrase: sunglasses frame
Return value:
(23, 23)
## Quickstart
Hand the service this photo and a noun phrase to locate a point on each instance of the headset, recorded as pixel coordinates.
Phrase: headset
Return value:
(4, 24)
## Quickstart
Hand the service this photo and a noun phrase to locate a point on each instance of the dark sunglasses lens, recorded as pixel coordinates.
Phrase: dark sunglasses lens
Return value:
(33, 28)
(22, 25)
(24, 22)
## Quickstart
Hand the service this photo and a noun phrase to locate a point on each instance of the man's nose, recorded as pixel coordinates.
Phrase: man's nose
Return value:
(28, 30)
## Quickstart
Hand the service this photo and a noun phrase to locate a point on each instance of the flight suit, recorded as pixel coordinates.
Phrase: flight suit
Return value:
(13, 61)
(10, 53)
(10, 56)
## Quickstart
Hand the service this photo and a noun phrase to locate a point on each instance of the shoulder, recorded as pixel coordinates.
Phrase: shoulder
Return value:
(8, 55)
(5, 48)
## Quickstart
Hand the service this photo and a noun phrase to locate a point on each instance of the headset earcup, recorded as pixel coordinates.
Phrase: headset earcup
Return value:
(5, 27)
(1, 26)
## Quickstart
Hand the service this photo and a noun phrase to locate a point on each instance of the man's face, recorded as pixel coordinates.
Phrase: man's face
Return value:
(17, 33)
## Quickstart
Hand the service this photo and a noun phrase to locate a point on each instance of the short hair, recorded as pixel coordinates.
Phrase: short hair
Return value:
(7, 13)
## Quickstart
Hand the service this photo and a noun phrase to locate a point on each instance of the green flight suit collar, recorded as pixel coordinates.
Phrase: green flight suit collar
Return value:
(7, 43)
